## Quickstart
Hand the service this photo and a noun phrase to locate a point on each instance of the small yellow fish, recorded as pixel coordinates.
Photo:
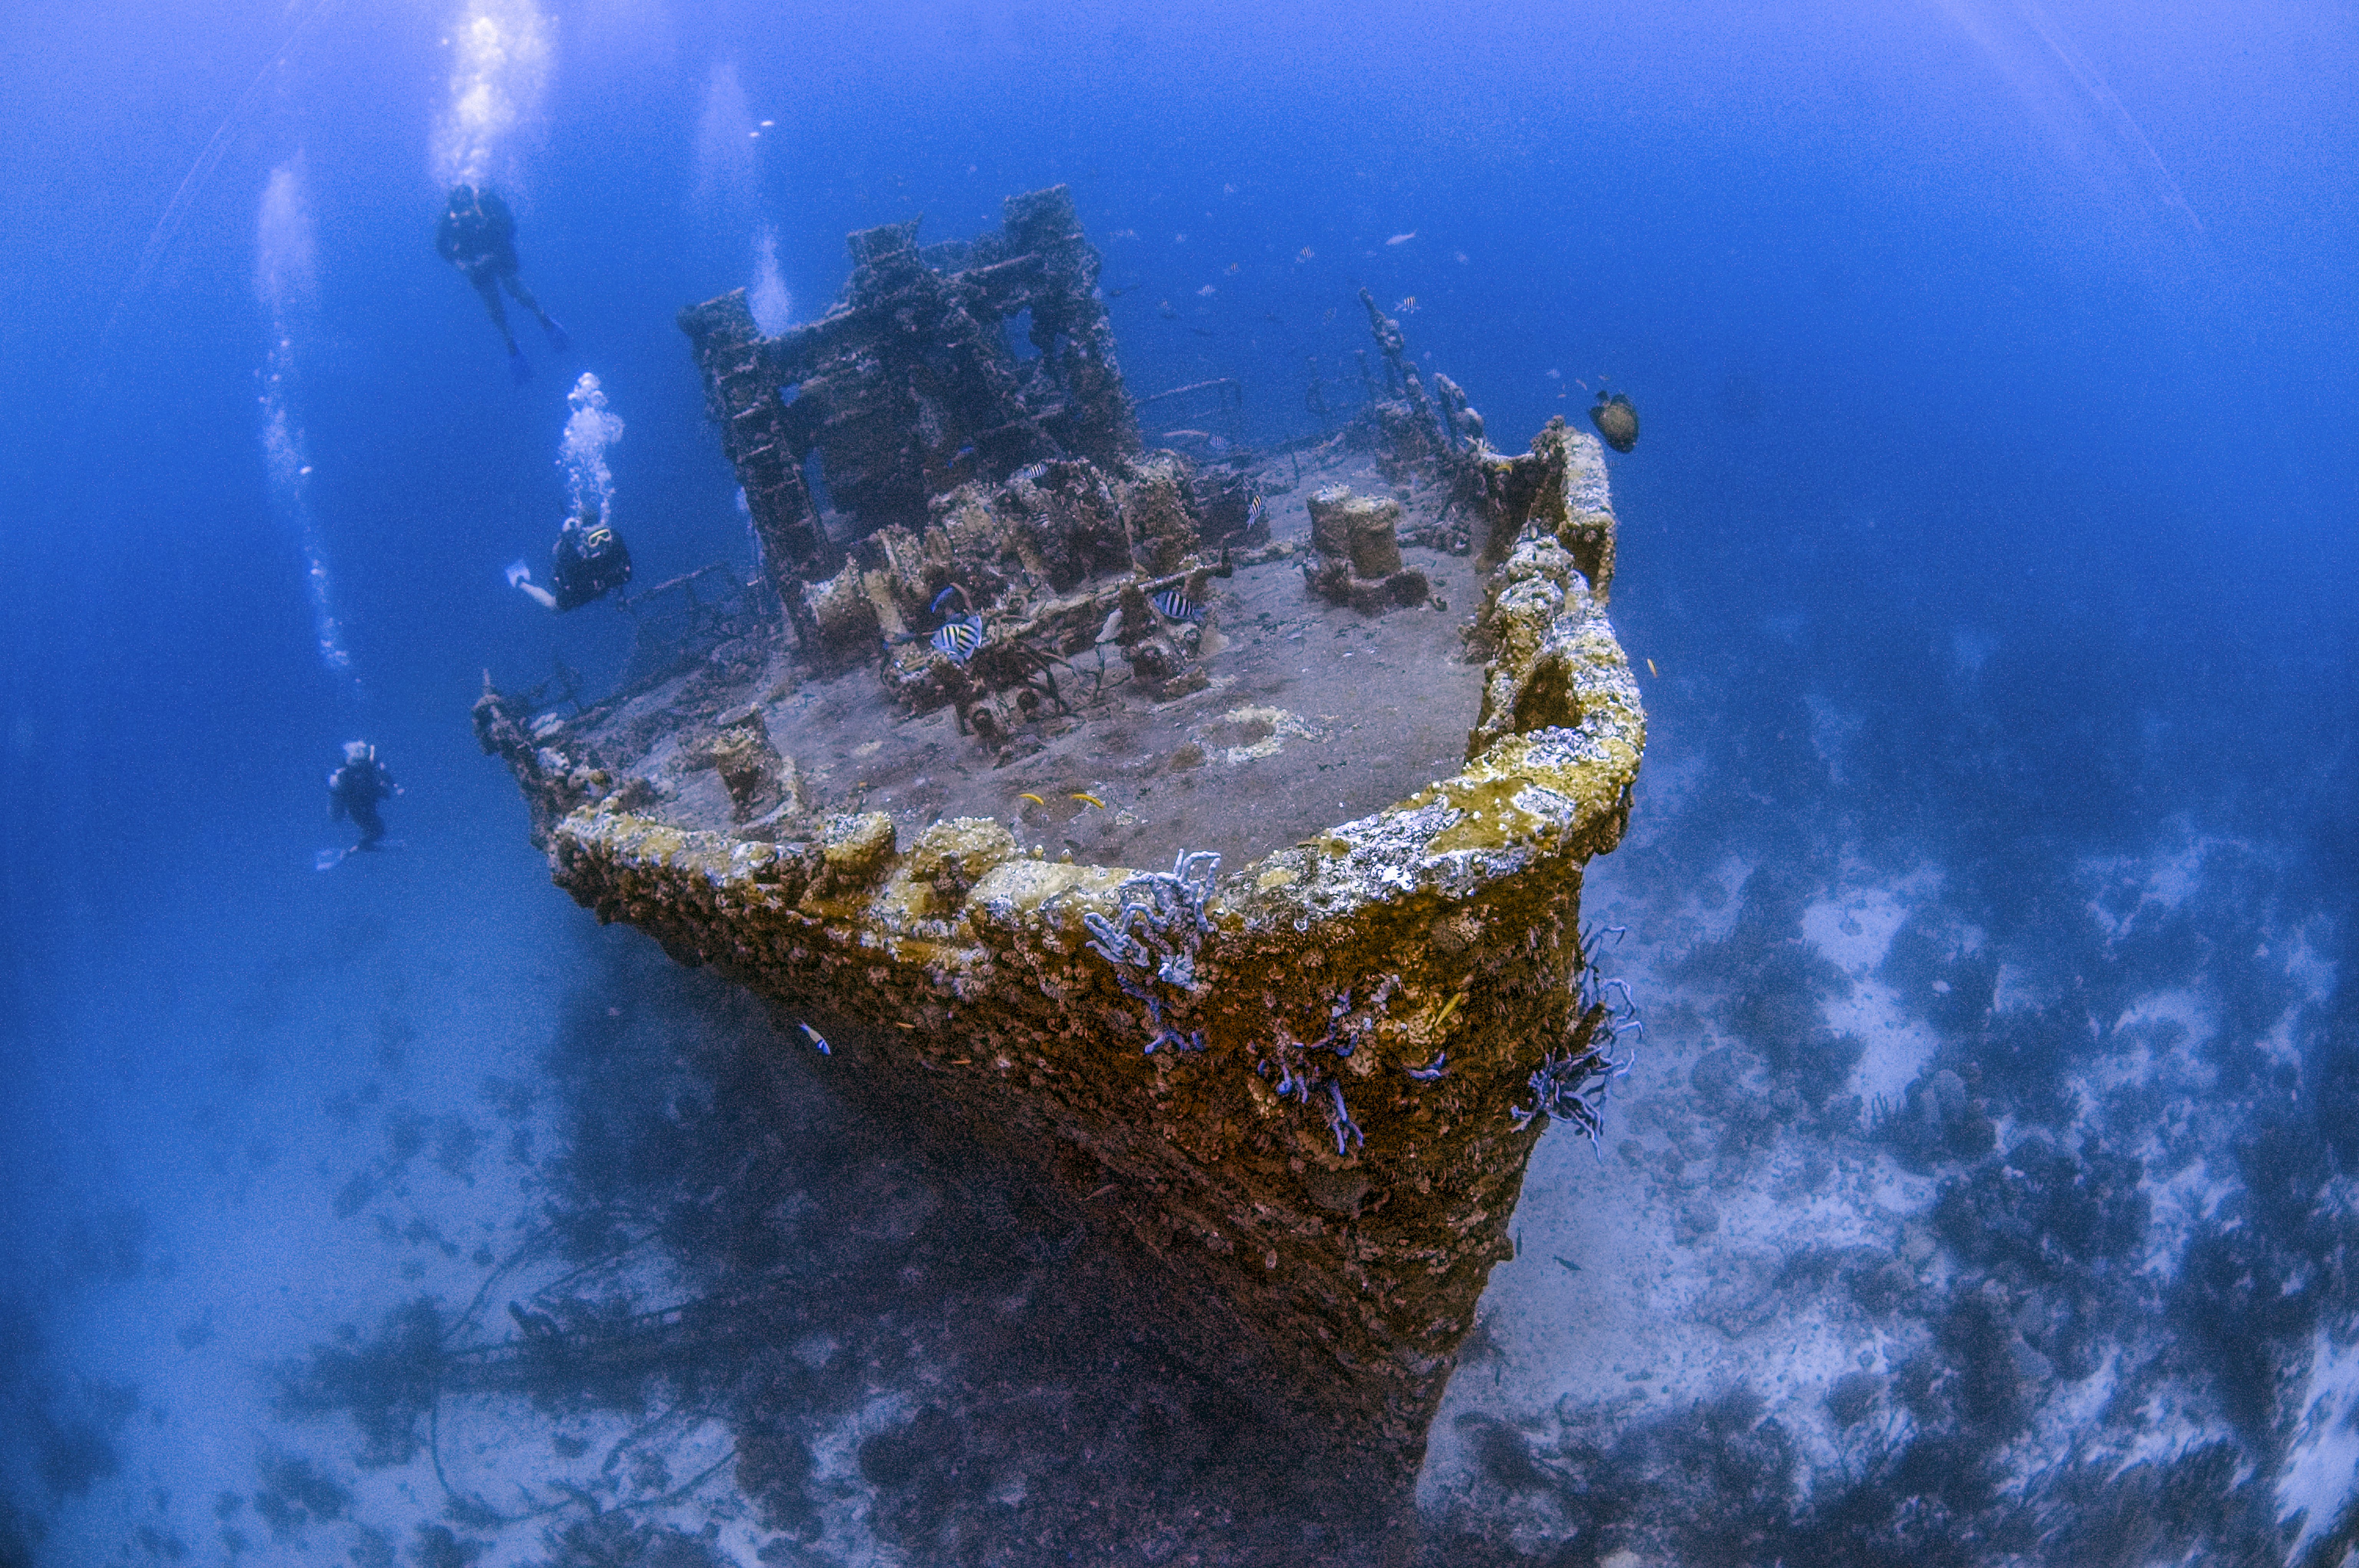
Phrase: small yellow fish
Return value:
(1090, 799)
(1033, 798)
(1653, 671)
(1448, 1008)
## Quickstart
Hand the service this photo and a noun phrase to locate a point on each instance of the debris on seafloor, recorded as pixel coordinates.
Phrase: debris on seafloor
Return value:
(1359, 556)
(1019, 655)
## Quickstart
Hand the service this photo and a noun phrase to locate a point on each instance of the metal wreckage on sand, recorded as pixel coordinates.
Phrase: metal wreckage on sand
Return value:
(1309, 1085)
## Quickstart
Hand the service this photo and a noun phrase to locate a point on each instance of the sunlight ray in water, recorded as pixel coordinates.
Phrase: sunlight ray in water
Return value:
(2081, 116)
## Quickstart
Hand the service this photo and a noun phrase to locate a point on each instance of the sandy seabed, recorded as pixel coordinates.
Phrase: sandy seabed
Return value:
(1920, 1231)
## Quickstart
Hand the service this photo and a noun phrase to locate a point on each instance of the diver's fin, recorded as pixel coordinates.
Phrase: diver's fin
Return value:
(559, 341)
(519, 367)
(328, 860)
(518, 572)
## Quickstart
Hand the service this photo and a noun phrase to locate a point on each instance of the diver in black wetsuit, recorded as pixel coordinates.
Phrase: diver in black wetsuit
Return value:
(587, 561)
(354, 789)
(477, 236)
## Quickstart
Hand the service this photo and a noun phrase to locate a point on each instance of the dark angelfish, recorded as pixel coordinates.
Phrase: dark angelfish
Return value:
(1616, 420)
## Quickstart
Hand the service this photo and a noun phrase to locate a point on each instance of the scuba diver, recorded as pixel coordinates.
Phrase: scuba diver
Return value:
(477, 236)
(353, 791)
(587, 561)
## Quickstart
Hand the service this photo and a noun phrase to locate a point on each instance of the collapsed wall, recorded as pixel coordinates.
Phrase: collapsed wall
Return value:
(908, 386)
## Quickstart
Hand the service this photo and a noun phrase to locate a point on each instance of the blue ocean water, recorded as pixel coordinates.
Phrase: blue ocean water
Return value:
(1991, 540)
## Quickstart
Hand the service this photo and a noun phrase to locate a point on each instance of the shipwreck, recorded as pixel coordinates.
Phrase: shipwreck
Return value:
(1201, 831)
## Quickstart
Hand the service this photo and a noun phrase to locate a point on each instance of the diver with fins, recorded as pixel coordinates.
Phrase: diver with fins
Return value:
(353, 791)
(477, 236)
(587, 561)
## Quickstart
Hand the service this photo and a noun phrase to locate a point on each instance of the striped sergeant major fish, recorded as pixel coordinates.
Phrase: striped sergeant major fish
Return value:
(1253, 514)
(957, 640)
(1177, 606)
